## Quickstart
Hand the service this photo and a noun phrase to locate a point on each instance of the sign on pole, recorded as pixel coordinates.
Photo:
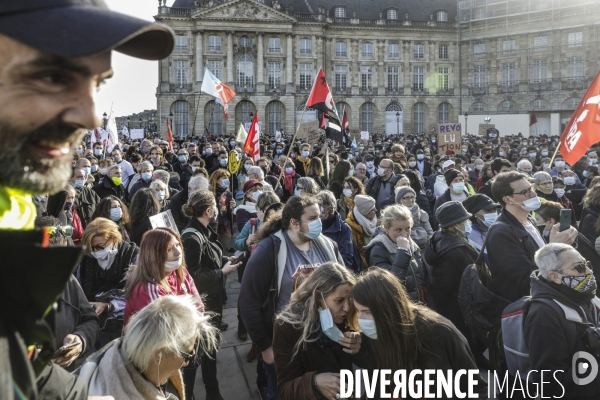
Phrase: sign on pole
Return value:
(137, 133)
(364, 135)
(308, 130)
(449, 137)
(483, 129)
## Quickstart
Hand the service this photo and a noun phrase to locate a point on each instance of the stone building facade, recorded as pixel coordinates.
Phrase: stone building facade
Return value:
(147, 119)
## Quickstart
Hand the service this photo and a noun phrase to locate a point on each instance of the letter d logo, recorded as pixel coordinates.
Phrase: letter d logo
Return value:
(579, 367)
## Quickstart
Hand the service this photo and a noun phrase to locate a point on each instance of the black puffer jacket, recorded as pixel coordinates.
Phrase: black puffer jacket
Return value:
(448, 257)
(407, 265)
(86, 201)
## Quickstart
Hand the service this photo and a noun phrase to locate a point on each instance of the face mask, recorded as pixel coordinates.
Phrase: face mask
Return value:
(377, 151)
(559, 164)
(103, 171)
(160, 195)
(116, 180)
(569, 180)
(479, 167)
(305, 154)
(289, 170)
(215, 216)
(297, 192)
(327, 326)
(182, 159)
(464, 150)
(593, 161)
(420, 157)
(223, 161)
(247, 166)
(468, 229)
(208, 150)
(531, 204)
(458, 187)
(68, 205)
(582, 284)
(79, 183)
(489, 219)
(232, 144)
(225, 183)
(544, 153)
(255, 195)
(87, 170)
(559, 192)
(79, 151)
(116, 214)
(104, 256)
(194, 168)
(412, 164)
(171, 266)
(380, 171)
(367, 326)
(585, 174)
(117, 159)
(279, 151)
(532, 155)
(370, 164)
(97, 152)
(501, 153)
(94, 168)
(545, 165)
(146, 176)
(314, 229)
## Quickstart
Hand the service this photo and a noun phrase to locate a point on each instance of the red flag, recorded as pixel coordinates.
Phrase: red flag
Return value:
(532, 118)
(345, 123)
(583, 129)
(169, 135)
(320, 99)
(252, 145)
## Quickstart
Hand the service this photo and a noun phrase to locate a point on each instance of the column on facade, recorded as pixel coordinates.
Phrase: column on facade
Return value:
(406, 72)
(381, 50)
(353, 67)
(199, 61)
(289, 61)
(260, 74)
(230, 77)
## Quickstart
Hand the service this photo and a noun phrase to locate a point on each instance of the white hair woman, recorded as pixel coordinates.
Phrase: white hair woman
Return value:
(315, 335)
(162, 192)
(145, 363)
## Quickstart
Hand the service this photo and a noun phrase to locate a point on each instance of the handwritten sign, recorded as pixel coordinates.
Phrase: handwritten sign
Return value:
(305, 128)
(137, 133)
(449, 137)
(364, 135)
(483, 129)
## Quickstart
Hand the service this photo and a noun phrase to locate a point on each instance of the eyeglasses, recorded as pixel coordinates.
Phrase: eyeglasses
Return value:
(100, 248)
(581, 267)
(525, 192)
(186, 356)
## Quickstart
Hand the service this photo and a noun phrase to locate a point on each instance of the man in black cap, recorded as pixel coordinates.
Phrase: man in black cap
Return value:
(457, 190)
(485, 212)
(54, 54)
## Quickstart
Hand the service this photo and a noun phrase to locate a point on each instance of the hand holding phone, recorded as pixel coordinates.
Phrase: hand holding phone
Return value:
(565, 220)
(61, 351)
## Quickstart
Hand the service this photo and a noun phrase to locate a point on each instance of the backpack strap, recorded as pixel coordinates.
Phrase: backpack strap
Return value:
(194, 231)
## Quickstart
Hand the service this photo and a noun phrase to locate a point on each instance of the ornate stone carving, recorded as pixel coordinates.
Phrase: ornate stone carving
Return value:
(275, 4)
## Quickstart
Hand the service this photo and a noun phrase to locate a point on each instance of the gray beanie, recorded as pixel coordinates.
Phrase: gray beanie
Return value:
(364, 204)
(402, 191)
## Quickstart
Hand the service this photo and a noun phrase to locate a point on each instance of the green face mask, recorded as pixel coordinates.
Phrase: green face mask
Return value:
(116, 180)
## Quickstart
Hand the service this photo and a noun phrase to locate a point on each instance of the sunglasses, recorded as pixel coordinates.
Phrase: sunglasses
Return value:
(188, 357)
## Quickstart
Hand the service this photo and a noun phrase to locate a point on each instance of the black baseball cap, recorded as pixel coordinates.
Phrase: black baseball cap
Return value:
(77, 28)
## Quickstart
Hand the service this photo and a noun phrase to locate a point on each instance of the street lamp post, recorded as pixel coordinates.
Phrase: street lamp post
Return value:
(171, 121)
(105, 120)
(398, 122)
(128, 131)
(466, 122)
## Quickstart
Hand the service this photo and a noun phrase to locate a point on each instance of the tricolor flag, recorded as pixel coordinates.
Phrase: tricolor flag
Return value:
(583, 129)
(320, 99)
(252, 145)
(213, 86)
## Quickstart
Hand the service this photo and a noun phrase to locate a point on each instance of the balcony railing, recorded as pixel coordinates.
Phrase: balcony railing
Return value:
(180, 88)
(399, 91)
(341, 90)
(179, 11)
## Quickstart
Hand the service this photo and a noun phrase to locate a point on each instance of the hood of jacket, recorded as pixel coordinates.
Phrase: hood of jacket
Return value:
(439, 244)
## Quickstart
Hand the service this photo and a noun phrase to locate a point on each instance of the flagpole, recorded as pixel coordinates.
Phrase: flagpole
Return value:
(554, 155)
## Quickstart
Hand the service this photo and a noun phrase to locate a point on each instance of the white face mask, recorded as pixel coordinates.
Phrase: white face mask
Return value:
(105, 257)
(289, 170)
(171, 266)
(380, 171)
(412, 164)
(368, 327)
(560, 192)
(347, 193)
(458, 187)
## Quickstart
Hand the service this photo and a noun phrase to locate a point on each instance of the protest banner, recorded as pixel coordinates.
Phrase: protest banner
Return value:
(449, 137)
(137, 133)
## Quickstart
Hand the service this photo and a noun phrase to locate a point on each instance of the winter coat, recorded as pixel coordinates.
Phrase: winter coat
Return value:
(108, 188)
(86, 201)
(175, 205)
(552, 339)
(406, 264)
(448, 256)
(372, 189)
(339, 232)
(588, 223)
(421, 230)
(140, 184)
(358, 236)
(138, 230)
(243, 213)
(446, 197)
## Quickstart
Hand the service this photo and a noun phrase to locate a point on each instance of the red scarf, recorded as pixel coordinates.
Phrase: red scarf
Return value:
(288, 180)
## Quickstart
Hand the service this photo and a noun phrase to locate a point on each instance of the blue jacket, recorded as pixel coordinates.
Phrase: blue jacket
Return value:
(341, 233)
(240, 240)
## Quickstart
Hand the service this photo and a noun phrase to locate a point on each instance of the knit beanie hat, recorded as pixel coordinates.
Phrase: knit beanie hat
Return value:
(402, 191)
(364, 204)
(451, 175)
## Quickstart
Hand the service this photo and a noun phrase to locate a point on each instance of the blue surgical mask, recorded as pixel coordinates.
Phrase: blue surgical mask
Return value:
(232, 143)
(279, 151)
(225, 183)
(116, 214)
(94, 168)
(327, 326)
(297, 192)
(87, 170)
(314, 229)
(420, 157)
(468, 229)
(97, 152)
(161, 195)
(146, 176)
(569, 180)
(367, 326)
(182, 159)
(247, 166)
(79, 183)
(223, 161)
(304, 153)
(489, 219)
(585, 174)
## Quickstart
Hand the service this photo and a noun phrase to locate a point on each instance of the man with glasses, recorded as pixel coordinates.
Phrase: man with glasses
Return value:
(381, 187)
(514, 237)
(360, 173)
(559, 322)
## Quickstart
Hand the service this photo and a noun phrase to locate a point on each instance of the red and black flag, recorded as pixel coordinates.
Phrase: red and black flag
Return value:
(320, 99)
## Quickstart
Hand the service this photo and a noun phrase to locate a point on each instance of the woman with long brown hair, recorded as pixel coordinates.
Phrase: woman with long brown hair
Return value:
(219, 183)
(401, 335)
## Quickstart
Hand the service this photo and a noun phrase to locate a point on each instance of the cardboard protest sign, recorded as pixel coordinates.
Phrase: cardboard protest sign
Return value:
(306, 129)
(483, 128)
(449, 137)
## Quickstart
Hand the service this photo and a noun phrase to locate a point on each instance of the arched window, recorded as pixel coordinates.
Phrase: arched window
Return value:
(181, 112)
(570, 104)
(444, 113)
(540, 104)
(368, 117)
(478, 107)
(245, 70)
(394, 119)
(213, 117)
(392, 14)
(419, 118)
(274, 116)
(507, 106)
(242, 112)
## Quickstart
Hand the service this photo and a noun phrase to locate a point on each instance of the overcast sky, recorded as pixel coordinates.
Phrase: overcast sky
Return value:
(133, 87)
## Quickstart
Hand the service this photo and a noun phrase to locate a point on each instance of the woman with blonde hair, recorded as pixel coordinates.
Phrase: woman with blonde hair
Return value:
(219, 183)
(102, 273)
(162, 192)
(315, 335)
(316, 172)
(394, 250)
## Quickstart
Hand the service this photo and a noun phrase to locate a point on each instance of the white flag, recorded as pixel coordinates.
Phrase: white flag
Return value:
(125, 131)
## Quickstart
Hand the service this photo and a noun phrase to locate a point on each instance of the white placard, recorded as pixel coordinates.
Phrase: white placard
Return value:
(137, 133)
(364, 135)
(164, 220)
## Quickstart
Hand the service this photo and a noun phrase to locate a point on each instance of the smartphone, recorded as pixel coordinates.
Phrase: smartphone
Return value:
(565, 220)
(65, 348)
